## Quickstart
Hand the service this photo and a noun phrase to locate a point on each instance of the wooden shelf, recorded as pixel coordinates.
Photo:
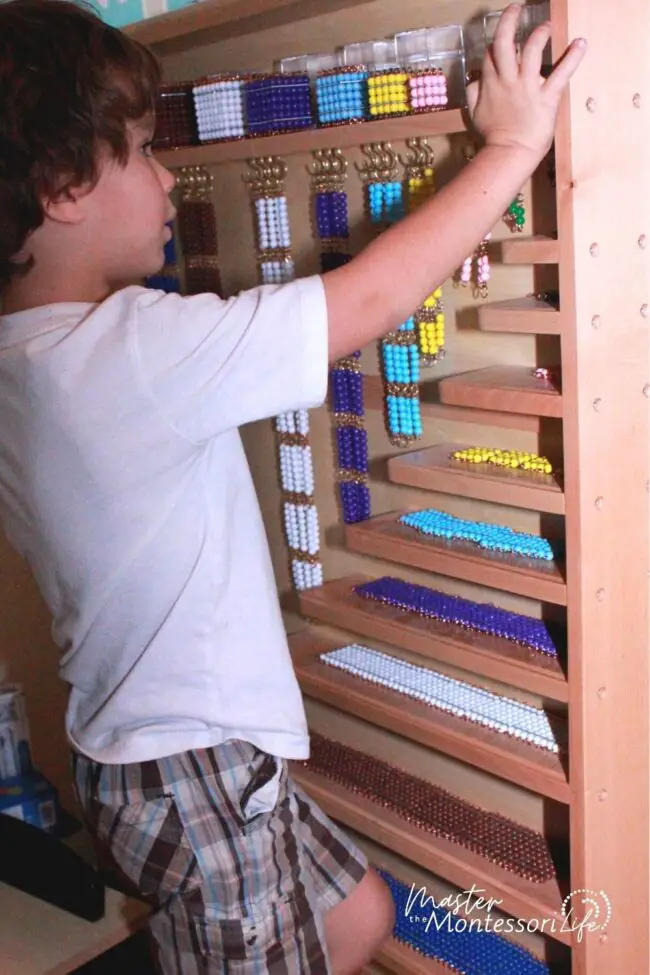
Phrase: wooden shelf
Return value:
(433, 469)
(521, 315)
(519, 897)
(529, 250)
(342, 137)
(229, 18)
(432, 409)
(507, 389)
(335, 604)
(531, 768)
(384, 537)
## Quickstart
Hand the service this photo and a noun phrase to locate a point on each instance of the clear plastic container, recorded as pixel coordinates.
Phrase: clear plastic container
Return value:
(311, 64)
(430, 53)
(376, 55)
(532, 16)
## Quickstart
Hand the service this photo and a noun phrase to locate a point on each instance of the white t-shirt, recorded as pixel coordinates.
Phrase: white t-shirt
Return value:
(124, 484)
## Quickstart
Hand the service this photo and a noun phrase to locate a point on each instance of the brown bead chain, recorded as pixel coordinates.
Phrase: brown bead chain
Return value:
(500, 840)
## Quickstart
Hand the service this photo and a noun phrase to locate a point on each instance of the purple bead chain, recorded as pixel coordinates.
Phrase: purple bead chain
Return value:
(482, 617)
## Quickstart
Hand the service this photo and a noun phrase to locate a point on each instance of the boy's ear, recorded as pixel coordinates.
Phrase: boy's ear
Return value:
(67, 206)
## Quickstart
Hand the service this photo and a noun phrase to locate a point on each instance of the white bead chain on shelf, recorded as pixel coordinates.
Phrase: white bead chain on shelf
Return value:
(296, 468)
(501, 714)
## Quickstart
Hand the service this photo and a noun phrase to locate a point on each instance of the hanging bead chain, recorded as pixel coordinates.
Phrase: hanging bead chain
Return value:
(399, 354)
(475, 269)
(266, 187)
(198, 231)
(515, 215)
(330, 204)
(429, 318)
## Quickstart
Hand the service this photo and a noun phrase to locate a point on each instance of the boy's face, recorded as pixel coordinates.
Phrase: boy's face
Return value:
(127, 210)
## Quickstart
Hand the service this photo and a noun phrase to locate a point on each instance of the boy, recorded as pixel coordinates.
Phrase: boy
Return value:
(124, 485)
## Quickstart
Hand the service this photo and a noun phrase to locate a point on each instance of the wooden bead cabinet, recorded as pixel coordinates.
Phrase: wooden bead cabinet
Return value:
(600, 208)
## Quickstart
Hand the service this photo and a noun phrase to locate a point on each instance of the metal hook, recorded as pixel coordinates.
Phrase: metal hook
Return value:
(330, 169)
(265, 175)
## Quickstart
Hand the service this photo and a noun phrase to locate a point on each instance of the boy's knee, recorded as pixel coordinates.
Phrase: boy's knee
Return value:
(358, 926)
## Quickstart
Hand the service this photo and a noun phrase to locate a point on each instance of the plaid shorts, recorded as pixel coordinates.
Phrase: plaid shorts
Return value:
(238, 864)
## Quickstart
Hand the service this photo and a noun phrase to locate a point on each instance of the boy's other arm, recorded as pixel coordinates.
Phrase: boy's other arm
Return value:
(515, 111)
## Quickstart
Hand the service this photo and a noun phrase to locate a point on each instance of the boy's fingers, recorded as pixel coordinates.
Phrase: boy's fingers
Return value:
(488, 69)
(503, 46)
(531, 56)
(566, 66)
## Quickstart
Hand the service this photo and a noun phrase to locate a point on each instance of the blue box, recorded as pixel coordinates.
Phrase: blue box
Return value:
(33, 799)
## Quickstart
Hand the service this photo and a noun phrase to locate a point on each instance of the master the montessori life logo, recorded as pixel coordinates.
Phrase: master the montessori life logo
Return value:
(583, 912)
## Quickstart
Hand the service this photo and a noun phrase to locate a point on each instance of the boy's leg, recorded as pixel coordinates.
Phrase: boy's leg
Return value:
(357, 927)
(241, 867)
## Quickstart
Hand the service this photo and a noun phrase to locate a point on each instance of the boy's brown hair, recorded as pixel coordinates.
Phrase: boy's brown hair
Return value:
(68, 85)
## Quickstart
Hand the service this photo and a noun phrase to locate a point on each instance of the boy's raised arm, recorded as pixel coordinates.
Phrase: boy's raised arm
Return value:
(515, 110)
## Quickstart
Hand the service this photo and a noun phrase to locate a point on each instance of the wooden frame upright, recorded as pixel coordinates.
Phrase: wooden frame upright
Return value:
(603, 193)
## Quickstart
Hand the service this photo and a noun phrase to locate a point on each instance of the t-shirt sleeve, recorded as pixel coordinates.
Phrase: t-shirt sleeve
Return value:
(211, 364)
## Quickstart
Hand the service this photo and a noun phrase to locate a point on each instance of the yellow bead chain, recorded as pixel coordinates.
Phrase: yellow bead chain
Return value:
(420, 188)
(504, 458)
(431, 330)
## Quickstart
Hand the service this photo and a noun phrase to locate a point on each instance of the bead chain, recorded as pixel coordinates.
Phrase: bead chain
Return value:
(436, 932)
(485, 618)
(503, 715)
(433, 810)
(493, 538)
(475, 269)
(330, 212)
(302, 530)
(198, 232)
(515, 215)
(515, 459)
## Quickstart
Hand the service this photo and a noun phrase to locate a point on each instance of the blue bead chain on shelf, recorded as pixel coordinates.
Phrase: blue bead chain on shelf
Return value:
(494, 538)
(481, 617)
(438, 932)
(346, 380)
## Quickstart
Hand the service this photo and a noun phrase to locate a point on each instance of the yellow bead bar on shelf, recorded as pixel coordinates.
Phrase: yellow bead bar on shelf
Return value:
(515, 459)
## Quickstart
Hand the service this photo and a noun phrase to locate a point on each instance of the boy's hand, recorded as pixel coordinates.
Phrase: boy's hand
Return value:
(512, 105)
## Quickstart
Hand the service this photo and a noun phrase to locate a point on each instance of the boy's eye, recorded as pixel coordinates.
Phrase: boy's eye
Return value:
(147, 148)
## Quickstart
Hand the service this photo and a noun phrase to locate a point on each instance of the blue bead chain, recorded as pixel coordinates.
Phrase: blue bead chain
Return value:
(437, 932)
(494, 538)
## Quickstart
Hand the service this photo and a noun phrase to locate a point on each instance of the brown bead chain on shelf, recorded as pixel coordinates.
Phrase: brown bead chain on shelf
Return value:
(197, 230)
(499, 840)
